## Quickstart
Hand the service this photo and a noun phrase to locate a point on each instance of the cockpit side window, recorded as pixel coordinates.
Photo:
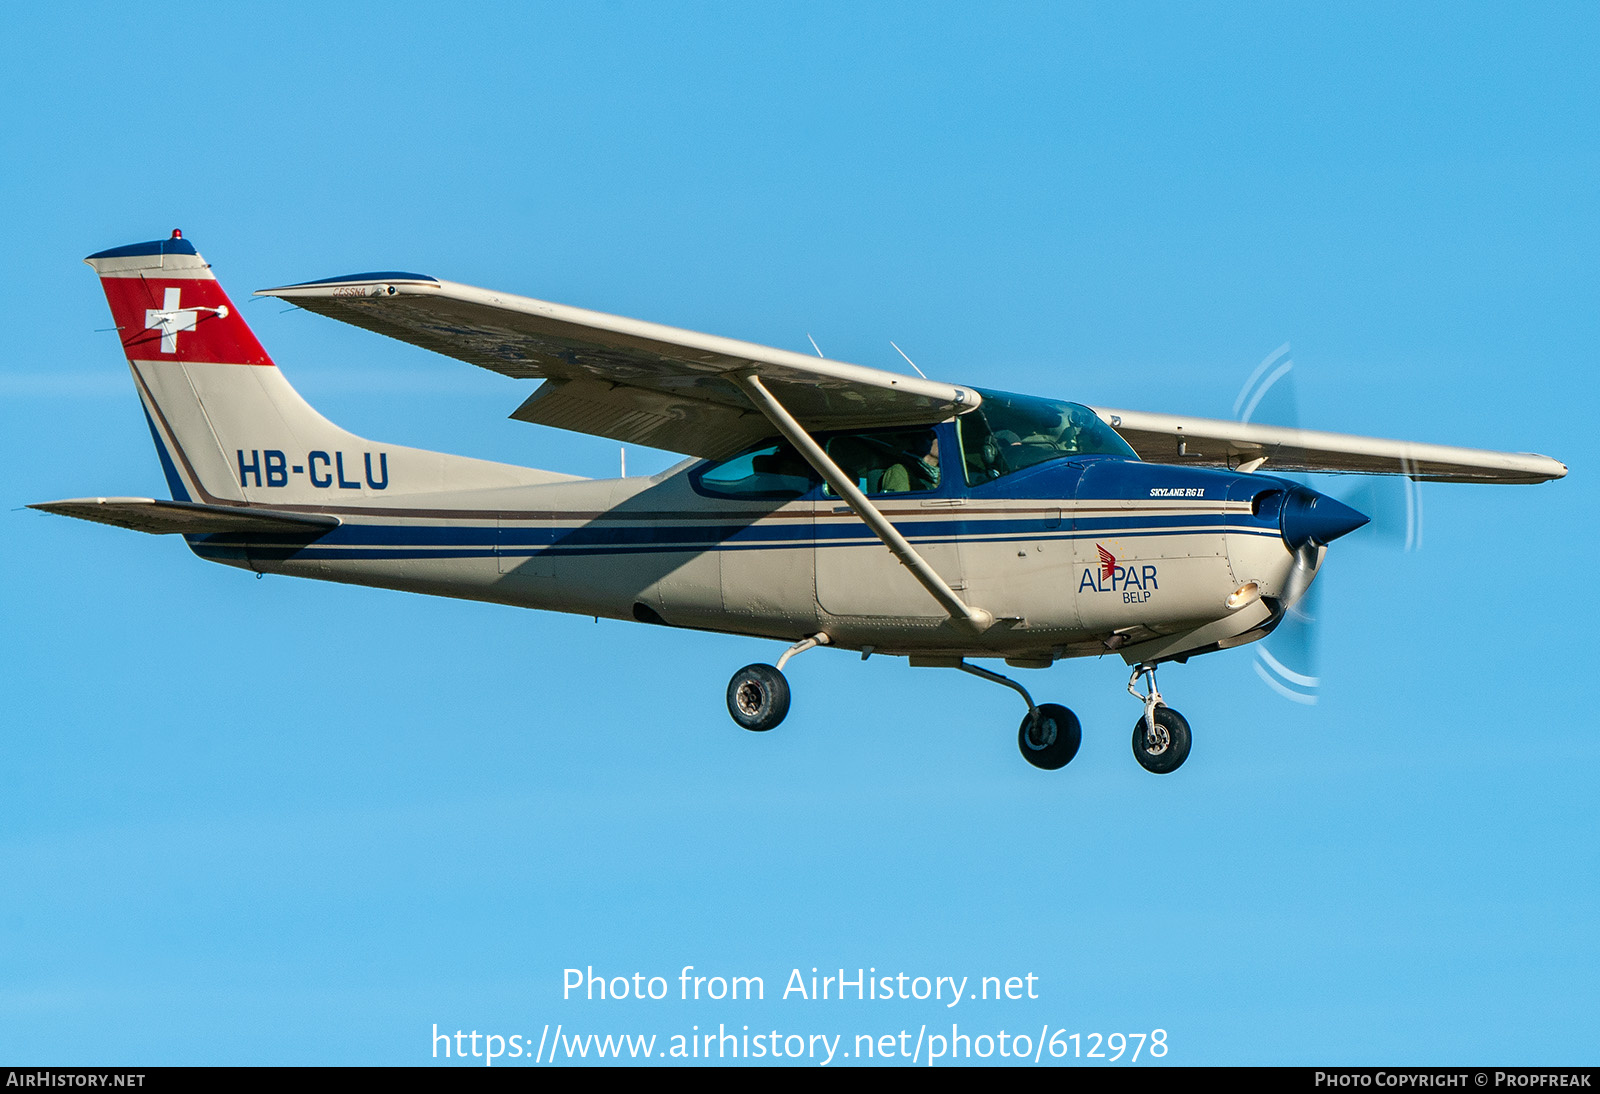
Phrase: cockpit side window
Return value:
(770, 470)
(1010, 432)
(901, 461)
(895, 462)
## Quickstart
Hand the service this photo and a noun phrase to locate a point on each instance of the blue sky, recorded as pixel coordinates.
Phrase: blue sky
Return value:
(285, 822)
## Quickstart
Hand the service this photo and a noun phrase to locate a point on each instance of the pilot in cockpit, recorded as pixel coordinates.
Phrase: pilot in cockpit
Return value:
(918, 471)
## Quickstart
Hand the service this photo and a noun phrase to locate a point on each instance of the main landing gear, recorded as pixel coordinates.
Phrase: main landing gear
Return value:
(1161, 735)
(1048, 738)
(1049, 735)
(758, 695)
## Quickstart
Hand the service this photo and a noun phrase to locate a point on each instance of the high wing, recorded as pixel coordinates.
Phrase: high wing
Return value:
(189, 518)
(1210, 442)
(682, 391)
(622, 378)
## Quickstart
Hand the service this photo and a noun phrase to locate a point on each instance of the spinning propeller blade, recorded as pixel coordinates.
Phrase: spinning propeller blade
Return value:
(1286, 660)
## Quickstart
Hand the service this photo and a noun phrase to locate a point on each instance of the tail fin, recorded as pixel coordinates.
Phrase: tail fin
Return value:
(228, 427)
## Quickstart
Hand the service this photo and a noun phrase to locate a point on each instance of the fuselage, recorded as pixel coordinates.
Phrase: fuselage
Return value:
(1074, 556)
(1017, 526)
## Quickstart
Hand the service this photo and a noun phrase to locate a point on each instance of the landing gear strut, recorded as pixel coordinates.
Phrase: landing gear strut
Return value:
(758, 695)
(1050, 733)
(1161, 735)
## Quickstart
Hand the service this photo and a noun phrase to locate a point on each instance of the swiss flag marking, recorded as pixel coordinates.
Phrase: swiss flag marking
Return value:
(169, 319)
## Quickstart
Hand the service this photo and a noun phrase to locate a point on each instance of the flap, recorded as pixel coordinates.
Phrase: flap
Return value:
(641, 416)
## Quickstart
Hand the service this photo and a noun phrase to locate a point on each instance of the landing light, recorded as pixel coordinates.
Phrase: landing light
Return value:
(1248, 593)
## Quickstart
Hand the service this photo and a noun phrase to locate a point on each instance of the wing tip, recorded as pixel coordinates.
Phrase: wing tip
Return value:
(332, 286)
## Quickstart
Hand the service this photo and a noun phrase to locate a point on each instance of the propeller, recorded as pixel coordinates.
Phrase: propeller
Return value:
(1286, 660)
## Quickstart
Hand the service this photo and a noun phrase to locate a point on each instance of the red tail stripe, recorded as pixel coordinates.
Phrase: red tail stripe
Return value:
(188, 319)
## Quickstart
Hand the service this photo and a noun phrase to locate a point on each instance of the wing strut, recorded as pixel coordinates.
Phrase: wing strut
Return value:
(976, 619)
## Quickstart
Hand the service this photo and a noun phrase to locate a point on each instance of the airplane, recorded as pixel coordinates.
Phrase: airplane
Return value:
(822, 504)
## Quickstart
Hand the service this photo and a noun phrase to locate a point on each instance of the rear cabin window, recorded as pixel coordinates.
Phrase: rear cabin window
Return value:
(1010, 432)
(771, 470)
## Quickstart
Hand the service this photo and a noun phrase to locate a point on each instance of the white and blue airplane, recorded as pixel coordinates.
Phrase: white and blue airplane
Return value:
(824, 503)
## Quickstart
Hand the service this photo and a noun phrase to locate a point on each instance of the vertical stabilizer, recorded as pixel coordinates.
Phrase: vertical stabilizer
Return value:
(228, 427)
(177, 325)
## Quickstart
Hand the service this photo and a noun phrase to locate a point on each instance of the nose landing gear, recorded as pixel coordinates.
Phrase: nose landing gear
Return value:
(1161, 735)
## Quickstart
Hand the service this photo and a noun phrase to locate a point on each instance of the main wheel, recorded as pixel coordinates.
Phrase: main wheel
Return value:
(1051, 739)
(758, 697)
(1164, 750)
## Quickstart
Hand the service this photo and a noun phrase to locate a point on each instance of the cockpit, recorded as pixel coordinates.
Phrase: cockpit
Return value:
(1008, 433)
(1005, 434)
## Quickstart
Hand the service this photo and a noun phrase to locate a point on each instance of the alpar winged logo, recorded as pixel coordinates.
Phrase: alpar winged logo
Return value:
(1135, 583)
(1108, 563)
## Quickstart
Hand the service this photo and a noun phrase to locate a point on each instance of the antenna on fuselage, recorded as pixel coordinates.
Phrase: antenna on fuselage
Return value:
(623, 451)
(909, 361)
(816, 347)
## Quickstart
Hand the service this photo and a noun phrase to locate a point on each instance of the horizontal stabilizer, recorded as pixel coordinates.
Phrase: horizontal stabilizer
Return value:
(188, 518)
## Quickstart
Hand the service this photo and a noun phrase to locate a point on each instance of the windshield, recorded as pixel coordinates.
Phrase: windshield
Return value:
(1009, 432)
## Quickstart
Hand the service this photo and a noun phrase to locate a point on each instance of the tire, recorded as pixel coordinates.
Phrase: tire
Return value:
(758, 697)
(1162, 758)
(1056, 742)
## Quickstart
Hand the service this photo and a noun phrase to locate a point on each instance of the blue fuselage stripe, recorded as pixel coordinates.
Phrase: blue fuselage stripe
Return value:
(391, 541)
(174, 480)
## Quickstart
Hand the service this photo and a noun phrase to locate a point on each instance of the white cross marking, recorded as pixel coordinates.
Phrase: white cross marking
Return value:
(169, 319)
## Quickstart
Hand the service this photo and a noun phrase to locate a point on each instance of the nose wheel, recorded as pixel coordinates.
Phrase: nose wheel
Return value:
(1161, 747)
(1161, 735)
